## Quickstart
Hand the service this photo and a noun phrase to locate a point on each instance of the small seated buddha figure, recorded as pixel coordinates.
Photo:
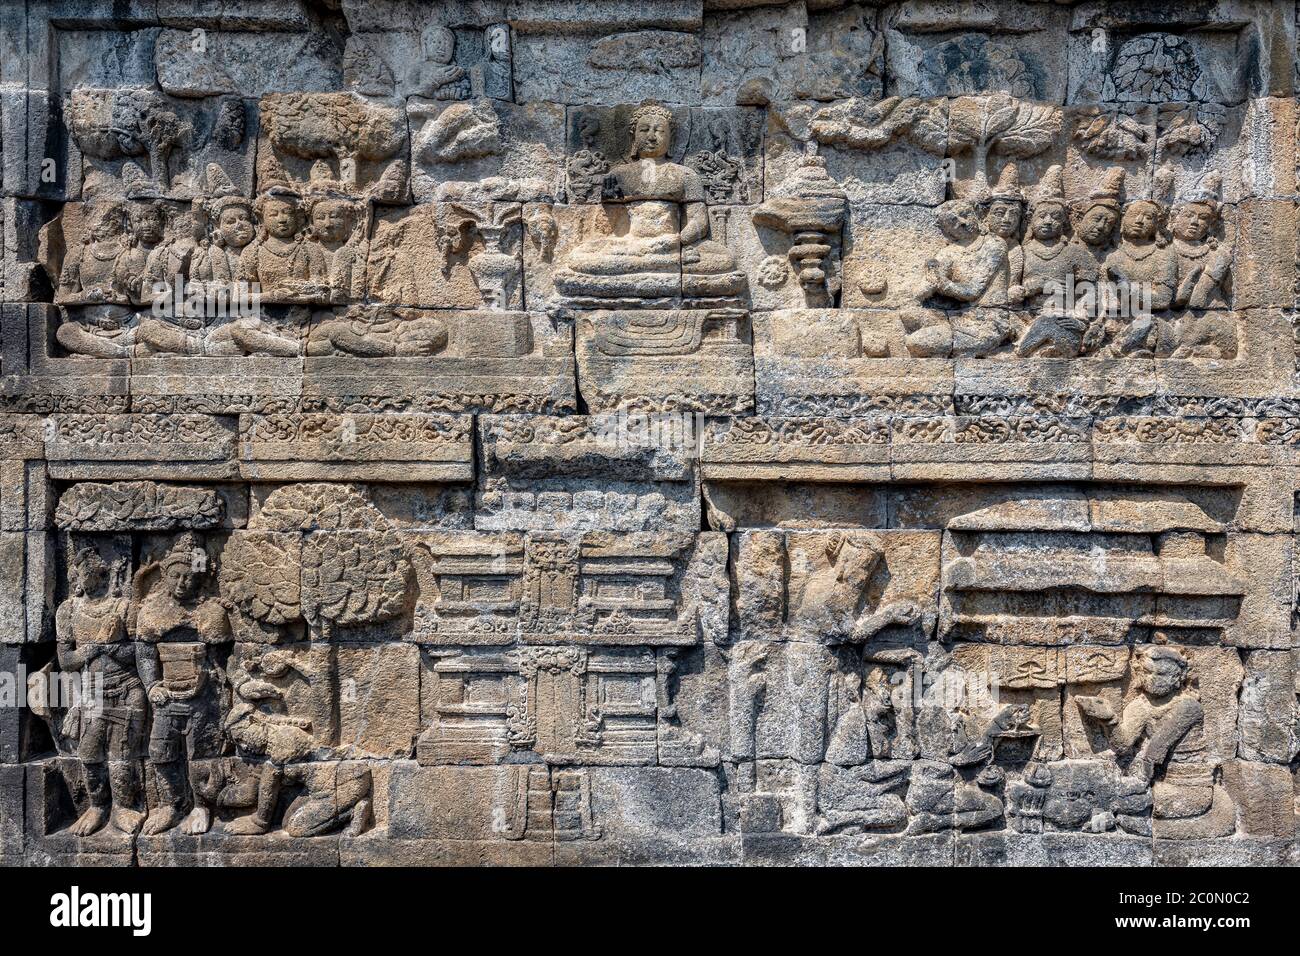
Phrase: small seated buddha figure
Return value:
(437, 75)
(666, 250)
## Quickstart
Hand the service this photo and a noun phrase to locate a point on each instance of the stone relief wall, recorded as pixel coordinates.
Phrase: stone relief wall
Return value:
(698, 431)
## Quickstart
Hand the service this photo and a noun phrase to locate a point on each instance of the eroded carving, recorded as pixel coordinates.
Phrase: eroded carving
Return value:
(615, 433)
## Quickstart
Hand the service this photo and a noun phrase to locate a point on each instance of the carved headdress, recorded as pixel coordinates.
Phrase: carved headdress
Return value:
(221, 192)
(85, 560)
(111, 212)
(187, 552)
(1050, 189)
(1152, 654)
(1108, 193)
(1008, 184)
(1207, 189)
(1158, 195)
(139, 212)
(279, 191)
(650, 108)
(218, 206)
(216, 183)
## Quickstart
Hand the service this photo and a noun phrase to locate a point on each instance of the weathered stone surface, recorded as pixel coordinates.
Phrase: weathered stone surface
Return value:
(738, 432)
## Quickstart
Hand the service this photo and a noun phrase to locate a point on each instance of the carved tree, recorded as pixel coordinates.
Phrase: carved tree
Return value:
(463, 131)
(1188, 128)
(115, 124)
(981, 125)
(320, 553)
(1154, 67)
(1114, 135)
(337, 126)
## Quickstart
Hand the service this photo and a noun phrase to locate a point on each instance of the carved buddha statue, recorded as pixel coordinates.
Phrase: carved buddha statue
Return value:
(665, 250)
(437, 75)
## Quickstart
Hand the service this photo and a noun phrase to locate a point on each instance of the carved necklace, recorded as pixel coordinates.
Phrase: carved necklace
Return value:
(1138, 253)
(1189, 251)
(98, 616)
(289, 251)
(94, 251)
(1045, 252)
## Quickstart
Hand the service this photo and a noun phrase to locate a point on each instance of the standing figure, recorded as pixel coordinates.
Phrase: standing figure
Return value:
(587, 166)
(176, 627)
(90, 626)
